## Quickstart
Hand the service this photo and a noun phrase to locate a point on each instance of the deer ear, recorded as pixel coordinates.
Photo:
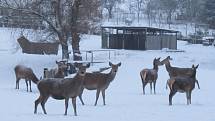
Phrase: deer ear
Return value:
(197, 66)
(110, 64)
(193, 66)
(119, 64)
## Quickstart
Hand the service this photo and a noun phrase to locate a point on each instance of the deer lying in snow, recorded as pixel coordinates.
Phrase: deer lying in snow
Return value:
(182, 84)
(61, 89)
(150, 75)
(23, 72)
(176, 71)
(99, 81)
(59, 72)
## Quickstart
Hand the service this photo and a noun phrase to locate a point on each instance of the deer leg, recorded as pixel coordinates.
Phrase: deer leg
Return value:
(39, 100)
(80, 96)
(151, 87)
(144, 88)
(172, 93)
(66, 105)
(74, 105)
(154, 84)
(187, 95)
(190, 96)
(43, 102)
(17, 83)
(97, 96)
(103, 95)
(30, 85)
(26, 82)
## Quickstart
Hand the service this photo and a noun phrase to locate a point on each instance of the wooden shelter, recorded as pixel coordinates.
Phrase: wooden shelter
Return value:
(138, 38)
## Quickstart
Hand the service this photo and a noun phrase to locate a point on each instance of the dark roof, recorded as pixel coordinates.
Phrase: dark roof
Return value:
(149, 29)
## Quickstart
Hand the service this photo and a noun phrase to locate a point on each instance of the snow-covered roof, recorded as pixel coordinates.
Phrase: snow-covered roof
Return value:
(141, 28)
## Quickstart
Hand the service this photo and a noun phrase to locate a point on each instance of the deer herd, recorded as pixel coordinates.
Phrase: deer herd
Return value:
(55, 84)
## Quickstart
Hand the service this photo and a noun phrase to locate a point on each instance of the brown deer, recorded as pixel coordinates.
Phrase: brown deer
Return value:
(61, 89)
(150, 75)
(182, 84)
(23, 72)
(176, 71)
(99, 81)
(59, 72)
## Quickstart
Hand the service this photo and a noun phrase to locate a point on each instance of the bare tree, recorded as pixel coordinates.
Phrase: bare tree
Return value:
(109, 5)
(150, 6)
(169, 6)
(62, 18)
(139, 8)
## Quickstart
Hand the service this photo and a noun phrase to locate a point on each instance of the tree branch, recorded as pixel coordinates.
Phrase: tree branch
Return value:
(27, 11)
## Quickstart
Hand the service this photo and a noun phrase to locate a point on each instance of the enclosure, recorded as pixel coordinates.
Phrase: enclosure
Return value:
(138, 38)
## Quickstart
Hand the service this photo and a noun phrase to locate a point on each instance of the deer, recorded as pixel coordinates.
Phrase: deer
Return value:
(59, 72)
(176, 71)
(61, 89)
(99, 81)
(23, 72)
(182, 84)
(150, 75)
(72, 68)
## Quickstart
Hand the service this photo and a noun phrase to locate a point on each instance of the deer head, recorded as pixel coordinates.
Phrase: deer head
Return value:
(157, 62)
(194, 70)
(81, 68)
(166, 60)
(62, 65)
(194, 74)
(114, 67)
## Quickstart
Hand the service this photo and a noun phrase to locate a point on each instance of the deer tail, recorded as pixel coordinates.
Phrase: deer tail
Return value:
(167, 84)
(170, 83)
(143, 75)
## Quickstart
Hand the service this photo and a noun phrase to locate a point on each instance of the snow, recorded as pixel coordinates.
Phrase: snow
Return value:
(124, 98)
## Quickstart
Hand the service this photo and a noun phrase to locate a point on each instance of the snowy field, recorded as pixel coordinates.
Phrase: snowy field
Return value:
(124, 98)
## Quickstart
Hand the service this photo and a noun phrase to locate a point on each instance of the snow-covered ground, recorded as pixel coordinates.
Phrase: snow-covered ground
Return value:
(124, 98)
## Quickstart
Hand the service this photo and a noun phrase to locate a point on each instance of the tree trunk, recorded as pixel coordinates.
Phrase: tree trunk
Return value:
(64, 46)
(75, 46)
(65, 51)
(74, 32)
(110, 13)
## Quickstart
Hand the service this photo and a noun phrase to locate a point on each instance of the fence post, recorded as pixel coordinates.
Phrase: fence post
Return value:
(86, 55)
(109, 54)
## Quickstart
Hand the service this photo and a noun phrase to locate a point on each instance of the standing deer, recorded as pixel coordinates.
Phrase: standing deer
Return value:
(61, 89)
(176, 71)
(99, 81)
(182, 84)
(59, 72)
(23, 72)
(150, 75)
